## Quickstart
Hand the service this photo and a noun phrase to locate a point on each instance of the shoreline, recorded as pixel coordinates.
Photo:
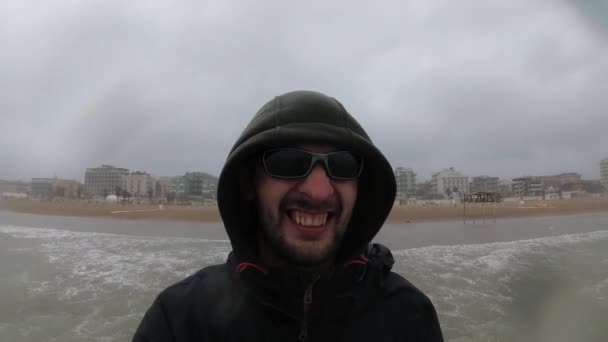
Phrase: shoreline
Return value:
(406, 214)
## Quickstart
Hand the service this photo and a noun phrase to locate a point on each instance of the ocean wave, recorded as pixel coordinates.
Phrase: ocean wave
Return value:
(495, 256)
(90, 265)
(39, 233)
(471, 283)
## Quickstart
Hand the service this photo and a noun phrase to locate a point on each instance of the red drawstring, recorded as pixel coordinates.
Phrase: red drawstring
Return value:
(242, 266)
(361, 261)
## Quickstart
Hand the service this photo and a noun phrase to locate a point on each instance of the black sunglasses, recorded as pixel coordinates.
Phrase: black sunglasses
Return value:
(292, 163)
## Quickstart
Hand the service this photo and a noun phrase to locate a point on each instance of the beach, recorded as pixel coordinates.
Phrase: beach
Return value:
(399, 214)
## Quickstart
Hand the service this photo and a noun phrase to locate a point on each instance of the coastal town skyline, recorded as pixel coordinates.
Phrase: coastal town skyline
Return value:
(109, 179)
(596, 175)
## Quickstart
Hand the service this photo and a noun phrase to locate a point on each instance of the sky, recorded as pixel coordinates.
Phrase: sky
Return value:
(500, 88)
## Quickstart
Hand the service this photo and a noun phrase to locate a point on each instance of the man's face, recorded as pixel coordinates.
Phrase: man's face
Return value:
(303, 220)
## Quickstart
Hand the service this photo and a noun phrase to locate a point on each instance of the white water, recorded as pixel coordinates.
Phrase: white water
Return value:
(483, 290)
(74, 286)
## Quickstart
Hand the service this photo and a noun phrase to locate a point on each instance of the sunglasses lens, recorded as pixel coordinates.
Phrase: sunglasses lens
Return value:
(344, 165)
(287, 163)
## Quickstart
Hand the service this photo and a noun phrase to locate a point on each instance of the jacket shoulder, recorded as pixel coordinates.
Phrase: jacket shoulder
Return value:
(203, 283)
(413, 308)
(397, 287)
(178, 311)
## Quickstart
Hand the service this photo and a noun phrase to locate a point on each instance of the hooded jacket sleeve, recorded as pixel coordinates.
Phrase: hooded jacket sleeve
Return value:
(410, 311)
(434, 332)
(185, 310)
(154, 326)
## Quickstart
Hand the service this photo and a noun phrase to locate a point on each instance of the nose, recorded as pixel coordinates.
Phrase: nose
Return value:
(317, 185)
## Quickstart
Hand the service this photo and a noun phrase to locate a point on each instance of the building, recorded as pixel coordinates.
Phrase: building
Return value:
(209, 188)
(55, 187)
(424, 191)
(174, 185)
(139, 184)
(592, 186)
(165, 185)
(571, 180)
(67, 188)
(200, 184)
(14, 187)
(104, 180)
(170, 188)
(505, 188)
(448, 181)
(527, 186)
(42, 187)
(604, 173)
(551, 182)
(484, 184)
(406, 182)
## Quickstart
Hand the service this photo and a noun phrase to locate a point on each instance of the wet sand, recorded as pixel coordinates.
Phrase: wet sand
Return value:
(487, 211)
(403, 214)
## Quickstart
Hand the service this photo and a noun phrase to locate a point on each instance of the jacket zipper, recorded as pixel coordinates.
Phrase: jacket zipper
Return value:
(307, 301)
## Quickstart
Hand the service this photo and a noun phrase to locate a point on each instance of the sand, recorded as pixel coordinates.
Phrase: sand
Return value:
(397, 215)
(489, 211)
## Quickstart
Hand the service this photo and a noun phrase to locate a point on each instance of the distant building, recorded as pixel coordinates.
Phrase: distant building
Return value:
(551, 181)
(448, 181)
(505, 188)
(179, 185)
(200, 184)
(484, 184)
(424, 190)
(592, 186)
(139, 184)
(166, 185)
(406, 182)
(14, 187)
(527, 186)
(66, 188)
(171, 188)
(55, 187)
(604, 173)
(42, 187)
(104, 180)
(571, 179)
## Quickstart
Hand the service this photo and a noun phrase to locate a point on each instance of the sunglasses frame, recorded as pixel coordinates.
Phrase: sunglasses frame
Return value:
(316, 158)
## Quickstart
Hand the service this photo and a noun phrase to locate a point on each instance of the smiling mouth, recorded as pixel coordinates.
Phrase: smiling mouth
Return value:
(310, 220)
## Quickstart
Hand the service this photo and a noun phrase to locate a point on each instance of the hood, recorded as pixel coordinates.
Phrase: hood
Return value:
(304, 117)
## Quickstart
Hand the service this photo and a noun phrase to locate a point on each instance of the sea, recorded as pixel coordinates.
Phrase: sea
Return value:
(521, 279)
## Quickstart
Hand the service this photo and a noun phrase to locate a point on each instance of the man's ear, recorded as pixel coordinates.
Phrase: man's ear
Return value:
(246, 181)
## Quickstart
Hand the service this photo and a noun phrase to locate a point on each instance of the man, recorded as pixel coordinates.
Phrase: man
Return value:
(302, 194)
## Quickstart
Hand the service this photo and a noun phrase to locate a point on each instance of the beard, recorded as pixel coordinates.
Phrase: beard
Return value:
(291, 254)
(313, 253)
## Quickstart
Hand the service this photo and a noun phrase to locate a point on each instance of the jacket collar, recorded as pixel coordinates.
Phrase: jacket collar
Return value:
(335, 290)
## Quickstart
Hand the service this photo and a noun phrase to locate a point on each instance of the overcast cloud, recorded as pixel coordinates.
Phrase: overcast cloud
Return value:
(503, 88)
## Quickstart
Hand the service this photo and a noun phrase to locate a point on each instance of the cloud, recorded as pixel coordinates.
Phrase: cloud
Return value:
(499, 88)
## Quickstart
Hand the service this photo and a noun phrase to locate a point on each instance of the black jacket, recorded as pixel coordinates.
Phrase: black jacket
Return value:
(361, 300)
(358, 299)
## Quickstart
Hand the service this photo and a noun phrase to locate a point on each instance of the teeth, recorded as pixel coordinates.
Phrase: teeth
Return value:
(317, 221)
(309, 220)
